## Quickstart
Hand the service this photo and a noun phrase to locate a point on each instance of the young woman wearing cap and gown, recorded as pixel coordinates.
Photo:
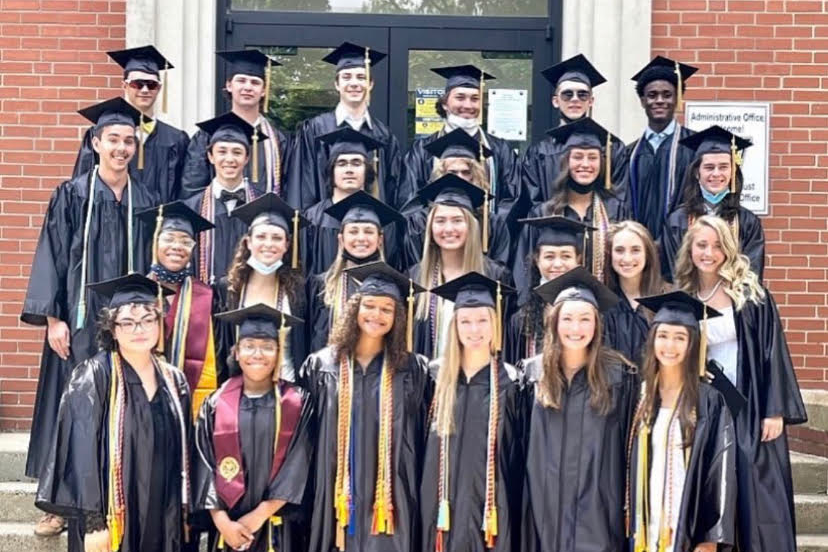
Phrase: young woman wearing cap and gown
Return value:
(266, 269)
(681, 479)
(362, 231)
(89, 234)
(474, 461)
(452, 248)
(582, 192)
(189, 329)
(461, 108)
(657, 160)
(580, 398)
(119, 462)
(749, 342)
(559, 249)
(634, 272)
(228, 148)
(459, 154)
(371, 397)
(350, 168)
(713, 185)
(311, 157)
(253, 445)
(247, 71)
(161, 162)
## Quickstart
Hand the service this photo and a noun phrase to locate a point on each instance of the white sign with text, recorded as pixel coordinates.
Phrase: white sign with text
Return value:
(507, 113)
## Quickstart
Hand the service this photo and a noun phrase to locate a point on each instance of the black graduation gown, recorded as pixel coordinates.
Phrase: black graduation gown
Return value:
(74, 480)
(423, 343)
(226, 333)
(707, 508)
(321, 243)
(198, 172)
(751, 240)
(574, 488)
(257, 426)
(411, 388)
(310, 156)
(226, 235)
(319, 323)
(467, 465)
(766, 378)
(540, 167)
(527, 320)
(616, 212)
(626, 330)
(648, 176)
(417, 220)
(418, 165)
(54, 285)
(164, 152)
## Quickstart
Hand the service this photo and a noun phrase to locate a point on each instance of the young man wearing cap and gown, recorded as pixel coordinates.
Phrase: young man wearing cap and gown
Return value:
(457, 144)
(574, 80)
(461, 106)
(228, 151)
(372, 396)
(189, 331)
(713, 185)
(161, 162)
(583, 193)
(119, 463)
(349, 169)
(358, 214)
(353, 81)
(253, 443)
(247, 86)
(657, 161)
(83, 241)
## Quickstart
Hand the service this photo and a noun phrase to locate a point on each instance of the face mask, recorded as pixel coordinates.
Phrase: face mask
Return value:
(375, 256)
(456, 121)
(263, 269)
(168, 276)
(713, 199)
(579, 188)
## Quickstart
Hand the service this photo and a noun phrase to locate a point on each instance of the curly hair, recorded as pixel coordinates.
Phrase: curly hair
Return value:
(346, 334)
(693, 201)
(658, 73)
(651, 281)
(478, 172)
(105, 337)
(741, 283)
(558, 199)
(367, 183)
(290, 280)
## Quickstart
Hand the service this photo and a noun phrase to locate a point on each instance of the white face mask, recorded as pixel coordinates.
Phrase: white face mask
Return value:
(456, 121)
(262, 268)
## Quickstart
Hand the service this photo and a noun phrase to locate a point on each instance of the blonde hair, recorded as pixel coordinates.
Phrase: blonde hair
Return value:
(445, 392)
(651, 281)
(478, 172)
(333, 274)
(741, 283)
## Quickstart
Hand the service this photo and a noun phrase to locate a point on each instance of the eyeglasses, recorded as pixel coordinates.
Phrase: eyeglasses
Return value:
(138, 84)
(267, 349)
(168, 240)
(354, 163)
(567, 95)
(131, 326)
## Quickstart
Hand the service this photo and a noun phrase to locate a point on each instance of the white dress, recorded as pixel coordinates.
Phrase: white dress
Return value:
(663, 499)
(722, 345)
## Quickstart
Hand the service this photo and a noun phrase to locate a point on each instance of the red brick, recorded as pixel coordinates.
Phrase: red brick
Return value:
(804, 6)
(774, 19)
(793, 57)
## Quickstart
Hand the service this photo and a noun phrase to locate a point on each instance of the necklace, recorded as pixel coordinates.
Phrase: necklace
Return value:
(712, 293)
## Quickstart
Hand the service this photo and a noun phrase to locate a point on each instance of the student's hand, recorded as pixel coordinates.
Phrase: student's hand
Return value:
(772, 428)
(235, 534)
(705, 547)
(97, 541)
(253, 520)
(58, 336)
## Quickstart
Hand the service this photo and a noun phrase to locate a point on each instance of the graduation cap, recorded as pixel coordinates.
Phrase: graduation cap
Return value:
(466, 76)
(681, 309)
(586, 133)
(229, 127)
(175, 216)
(251, 62)
(476, 290)
(271, 209)
(458, 143)
(347, 140)
(379, 279)
(577, 285)
(718, 140)
(454, 191)
(349, 56)
(125, 290)
(363, 207)
(114, 111)
(146, 59)
(662, 68)
(559, 231)
(577, 68)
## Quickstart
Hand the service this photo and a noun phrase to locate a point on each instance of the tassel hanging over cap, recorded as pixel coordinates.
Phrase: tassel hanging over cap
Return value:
(703, 343)
(608, 164)
(159, 220)
(367, 77)
(735, 163)
(679, 90)
(254, 156)
(141, 143)
(268, 67)
(409, 330)
(294, 260)
(164, 88)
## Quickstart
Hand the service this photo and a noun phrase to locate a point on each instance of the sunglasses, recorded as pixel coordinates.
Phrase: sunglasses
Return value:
(138, 84)
(567, 95)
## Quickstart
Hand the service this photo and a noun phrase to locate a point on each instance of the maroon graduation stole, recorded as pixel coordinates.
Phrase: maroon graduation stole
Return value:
(227, 444)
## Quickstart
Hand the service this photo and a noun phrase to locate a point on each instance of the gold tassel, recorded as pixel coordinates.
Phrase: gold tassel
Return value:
(498, 337)
(679, 90)
(280, 357)
(486, 222)
(294, 261)
(267, 84)
(375, 187)
(735, 163)
(164, 88)
(159, 220)
(409, 331)
(221, 542)
(608, 164)
(367, 77)
(703, 343)
(480, 114)
(254, 169)
(141, 143)
(642, 490)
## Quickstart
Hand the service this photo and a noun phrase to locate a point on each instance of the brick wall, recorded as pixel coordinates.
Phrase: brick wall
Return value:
(52, 62)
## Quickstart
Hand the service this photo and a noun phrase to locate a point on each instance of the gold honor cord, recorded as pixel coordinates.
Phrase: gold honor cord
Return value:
(164, 87)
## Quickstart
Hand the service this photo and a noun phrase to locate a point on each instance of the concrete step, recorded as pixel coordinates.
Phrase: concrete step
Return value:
(17, 502)
(812, 543)
(816, 403)
(811, 514)
(810, 473)
(15, 537)
(13, 448)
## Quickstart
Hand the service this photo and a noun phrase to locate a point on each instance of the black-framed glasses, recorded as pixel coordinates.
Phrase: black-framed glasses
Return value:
(131, 326)
(567, 95)
(138, 84)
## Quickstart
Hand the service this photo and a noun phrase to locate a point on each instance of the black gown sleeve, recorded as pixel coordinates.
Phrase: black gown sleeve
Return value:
(671, 236)
(752, 241)
(205, 496)
(291, 480)
(196, 173)
(176, 168)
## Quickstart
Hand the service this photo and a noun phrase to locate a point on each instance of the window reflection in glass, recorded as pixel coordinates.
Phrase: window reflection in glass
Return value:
(511, 8)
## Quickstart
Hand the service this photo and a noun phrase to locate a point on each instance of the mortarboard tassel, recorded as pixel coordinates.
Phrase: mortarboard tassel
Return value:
(159, 220)
(679, 90)
(486, 222)
(703, 343)
(267, 85)
(498, 337)
(367, 77)
(254, 169)
(280, 357)
(735, 163)
(608, 164)
(409, 331)
(480, 113)
(164, 88)
(141, 144)
(375, 187)
(294, 261)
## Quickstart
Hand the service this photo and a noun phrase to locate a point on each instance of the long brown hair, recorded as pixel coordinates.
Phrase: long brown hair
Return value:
(651, 281)
(346, 334)
(560, 189)
(336, 269)
(290, 280)
(551, 383)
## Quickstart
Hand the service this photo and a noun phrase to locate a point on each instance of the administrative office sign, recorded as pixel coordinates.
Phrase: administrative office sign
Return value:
(749, 120)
